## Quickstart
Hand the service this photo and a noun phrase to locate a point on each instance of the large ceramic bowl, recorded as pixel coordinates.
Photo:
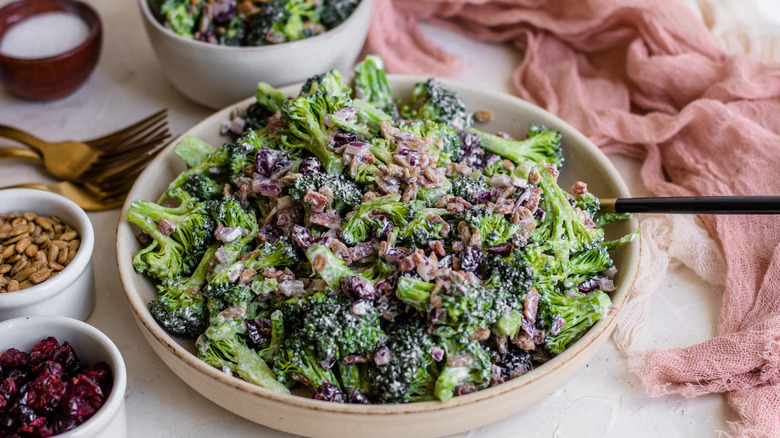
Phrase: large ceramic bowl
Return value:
(426, 419)
(216, 76)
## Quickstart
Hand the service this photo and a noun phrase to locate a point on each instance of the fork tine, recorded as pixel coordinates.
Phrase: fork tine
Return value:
(120, 145)
(131, 151)
(129, 130)
(125, 169)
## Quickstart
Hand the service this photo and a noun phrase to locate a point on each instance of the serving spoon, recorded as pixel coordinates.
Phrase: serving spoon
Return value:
(694, 205)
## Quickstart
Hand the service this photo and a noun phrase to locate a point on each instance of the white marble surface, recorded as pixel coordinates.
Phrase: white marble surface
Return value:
(603, 399)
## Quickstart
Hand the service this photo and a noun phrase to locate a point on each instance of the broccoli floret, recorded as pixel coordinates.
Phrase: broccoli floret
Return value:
(431, 195)
(561, 226)
(202, 187)
(296, 362)
(474, 372)
(223, 346)
(569, 315)
(354, 377)
(370, 116)
(329, 324)
(269, 102)
(231, 214)
(359, 226)
(410, 374)
(223, 284)
(180, 16)
(333, 268)
(541, 144)
(334, 12)
(424, 227)
(305, 126)
(471, 307)
(510, 273)
(329, 83)
(587, 202)
(508, 324)
(180, 306)
(432, 100)
(415, 293)
(494, 228)
(371, 84)
(345, 191)
(260, 24)
(467, 187)
(446, 140)
(181, 235)
(221, 165)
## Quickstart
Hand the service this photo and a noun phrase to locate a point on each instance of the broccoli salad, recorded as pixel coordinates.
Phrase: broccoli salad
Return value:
(358, 249)
(251, 23)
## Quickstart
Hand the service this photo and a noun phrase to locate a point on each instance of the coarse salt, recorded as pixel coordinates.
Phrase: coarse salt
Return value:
(44, 35)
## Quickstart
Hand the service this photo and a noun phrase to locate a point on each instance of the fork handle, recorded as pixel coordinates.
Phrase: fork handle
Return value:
(24, 154)
(22, 137)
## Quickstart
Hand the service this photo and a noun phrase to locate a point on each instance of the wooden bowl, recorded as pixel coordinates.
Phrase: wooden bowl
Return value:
(56, 76)
(314, 418)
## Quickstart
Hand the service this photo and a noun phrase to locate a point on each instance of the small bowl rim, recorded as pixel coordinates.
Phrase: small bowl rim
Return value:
(87, 14)
(67, 276)
(342, 27)
(168, 341)
(113, 402)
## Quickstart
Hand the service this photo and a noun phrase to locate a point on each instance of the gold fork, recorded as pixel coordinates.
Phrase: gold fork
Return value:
(102, 158)
(87, 196)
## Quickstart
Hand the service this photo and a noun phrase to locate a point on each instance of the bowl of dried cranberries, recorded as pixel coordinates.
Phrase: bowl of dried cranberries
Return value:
(60, 377)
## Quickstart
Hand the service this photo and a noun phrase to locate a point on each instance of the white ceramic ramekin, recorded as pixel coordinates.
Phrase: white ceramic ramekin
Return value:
(91, 346)
(71, 292)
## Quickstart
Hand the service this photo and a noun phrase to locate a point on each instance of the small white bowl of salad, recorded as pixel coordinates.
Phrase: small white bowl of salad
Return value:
(216, 52)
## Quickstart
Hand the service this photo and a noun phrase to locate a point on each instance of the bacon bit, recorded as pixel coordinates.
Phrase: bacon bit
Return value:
(166, 227)
(534, 195)
(363, 250)
(457, 204)
(233, 312)
(553, 169)
(531, 304)
(524, 341)
(369, 195)
(247, 276)
(437, 247)
(329, 219)
(317, 200)
(457, 246)
(481, 334)
(579, 188)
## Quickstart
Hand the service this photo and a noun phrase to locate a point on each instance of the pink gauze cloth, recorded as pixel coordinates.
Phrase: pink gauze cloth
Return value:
(643, 78)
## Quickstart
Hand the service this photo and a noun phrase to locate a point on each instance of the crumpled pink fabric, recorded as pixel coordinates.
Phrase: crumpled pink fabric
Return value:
(645, 79)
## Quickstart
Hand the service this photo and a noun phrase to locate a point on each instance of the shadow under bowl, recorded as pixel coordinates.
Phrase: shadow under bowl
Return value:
(55, 76)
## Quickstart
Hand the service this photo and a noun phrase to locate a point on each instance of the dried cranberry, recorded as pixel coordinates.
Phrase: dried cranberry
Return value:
(49, 389)
(359, 287)
(485, 197)
(100, 374)
(502, 249)
(258, 331)
(540, 214)
(46, 346)
(446, 261)
(340, 139)
(269, 161)
(13, 358)
(310, 164)
(302, 237)
(66, 356)
(329, 392)
(394, 255)
(514, 363)
(64, 423)
(356, 397)
(269, 233)
(471, 259)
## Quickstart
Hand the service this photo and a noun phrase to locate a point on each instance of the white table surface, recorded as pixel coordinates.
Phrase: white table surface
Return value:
(603, 399)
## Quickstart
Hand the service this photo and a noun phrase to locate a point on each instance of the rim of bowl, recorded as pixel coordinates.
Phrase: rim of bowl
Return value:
(52, 286)
(119, 370)
(86, 12)
(618, 298)
(342, 27)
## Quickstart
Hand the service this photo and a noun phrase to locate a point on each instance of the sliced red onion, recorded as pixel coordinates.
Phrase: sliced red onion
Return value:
(382, 356)
(235, 272)
(361, 307)
(531, 304)
(606, 284)
(557, 326)
(437, 354)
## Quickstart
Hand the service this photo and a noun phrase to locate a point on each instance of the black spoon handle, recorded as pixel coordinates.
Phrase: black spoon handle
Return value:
(694, 205)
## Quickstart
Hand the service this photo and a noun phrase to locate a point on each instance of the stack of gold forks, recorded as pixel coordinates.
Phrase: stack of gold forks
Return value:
(96, 174)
